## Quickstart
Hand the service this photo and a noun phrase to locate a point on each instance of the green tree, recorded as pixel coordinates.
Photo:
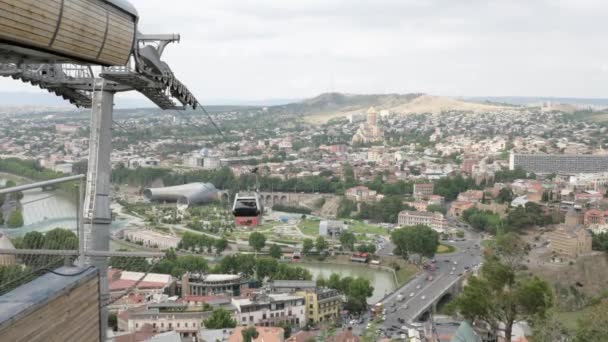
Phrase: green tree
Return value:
(275, 251)
(257, 241)
(498, 297)
(15, 219)
(307, 245)
(419, 239)
(348, 239)
(505, 195)
(219, 319)
(33, 240)
(436, 208)
(220, 245)
(600, 242)
(593, 326)
(321, 244)
(249, 334)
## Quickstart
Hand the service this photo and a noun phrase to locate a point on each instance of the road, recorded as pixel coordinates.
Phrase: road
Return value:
(419, 293)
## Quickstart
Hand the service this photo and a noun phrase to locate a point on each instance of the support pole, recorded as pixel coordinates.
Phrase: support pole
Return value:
(97, 213)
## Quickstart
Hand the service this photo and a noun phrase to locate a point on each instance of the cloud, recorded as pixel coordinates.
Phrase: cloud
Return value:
(245, 49)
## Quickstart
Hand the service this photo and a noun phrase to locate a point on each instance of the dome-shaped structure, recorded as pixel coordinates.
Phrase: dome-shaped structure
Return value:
(186, 194)
(5, 243)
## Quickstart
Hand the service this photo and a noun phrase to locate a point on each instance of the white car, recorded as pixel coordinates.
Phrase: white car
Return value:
(455, 262)
(453, 268)
(452, 273)
(412, 294)
(418, 286)
(423, 297)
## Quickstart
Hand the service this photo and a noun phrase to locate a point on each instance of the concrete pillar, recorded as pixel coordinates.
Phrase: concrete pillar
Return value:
(97, 215)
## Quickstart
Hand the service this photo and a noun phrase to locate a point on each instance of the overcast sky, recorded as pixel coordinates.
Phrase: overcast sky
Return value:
(266, 49)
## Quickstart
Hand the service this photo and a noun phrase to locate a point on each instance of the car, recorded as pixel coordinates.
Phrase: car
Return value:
(452, 273)
(412, 294)
(401, 319)
(466, 267)
(453, 268)
(455, 262)
(423, 297)
(459, 274)
(418, 286)
(446, 260)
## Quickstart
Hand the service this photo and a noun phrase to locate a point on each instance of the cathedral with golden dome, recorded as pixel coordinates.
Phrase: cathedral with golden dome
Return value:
(369, 131)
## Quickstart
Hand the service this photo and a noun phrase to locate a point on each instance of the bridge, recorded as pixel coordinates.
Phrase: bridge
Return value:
(294, 199)
(422, 295)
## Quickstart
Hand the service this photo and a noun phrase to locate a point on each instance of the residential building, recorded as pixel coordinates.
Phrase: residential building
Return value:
(200, 284)
(474, 196)
(289, 286)
(361, 194)
(271, 309)
(595, 216)
(423, 190)
(411, 218)
(138, 283)
(559, 163)
(168, 316)
(332, 229)
(468, 164)
(458, 207)
(570, 241)
(322, 305)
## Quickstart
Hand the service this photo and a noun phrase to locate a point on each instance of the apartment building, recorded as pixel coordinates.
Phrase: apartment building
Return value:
(322, 305)
(434, 220)
(271, 309)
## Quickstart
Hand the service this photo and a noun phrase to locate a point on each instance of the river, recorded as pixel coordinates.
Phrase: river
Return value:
(382, 281)
(46, 210)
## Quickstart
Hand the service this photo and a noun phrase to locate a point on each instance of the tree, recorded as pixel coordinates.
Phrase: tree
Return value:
(275, 251)
(419, 239)
(33, 240)
(436, 208)
(221, 245)
(498, 297)
(15, 219)
(600, 242)
(593, 326)
(505, 195)
(257, 241)
(321, 244)
(249, 334)
(348, 239)
(307, 245)
(219, 319)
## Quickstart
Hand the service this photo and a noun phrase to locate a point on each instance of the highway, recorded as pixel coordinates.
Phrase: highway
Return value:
(420, 293)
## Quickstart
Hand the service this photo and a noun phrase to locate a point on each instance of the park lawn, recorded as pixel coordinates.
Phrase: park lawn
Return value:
(443, 249)
(570, 319)
(309, 227)
(364, 228)
(405, 273)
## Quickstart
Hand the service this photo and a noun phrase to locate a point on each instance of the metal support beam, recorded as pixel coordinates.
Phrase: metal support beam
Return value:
(40, 184)
(97, 215)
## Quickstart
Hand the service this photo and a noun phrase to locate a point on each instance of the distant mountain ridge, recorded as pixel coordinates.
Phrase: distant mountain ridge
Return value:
(327, 106)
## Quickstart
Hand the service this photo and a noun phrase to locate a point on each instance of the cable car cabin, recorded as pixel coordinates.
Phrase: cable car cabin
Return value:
(247, 210)
(99, 32)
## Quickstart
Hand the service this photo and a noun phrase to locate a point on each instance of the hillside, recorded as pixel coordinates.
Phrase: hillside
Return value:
(328, 106)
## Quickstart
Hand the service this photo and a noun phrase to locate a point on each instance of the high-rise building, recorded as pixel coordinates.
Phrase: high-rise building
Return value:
(559, 163)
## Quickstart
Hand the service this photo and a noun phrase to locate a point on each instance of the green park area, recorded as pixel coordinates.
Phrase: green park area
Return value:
(444, 249)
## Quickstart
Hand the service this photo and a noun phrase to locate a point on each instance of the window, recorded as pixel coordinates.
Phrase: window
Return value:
(136, 325)
(244, 319)
(170, 325)
(264, 316)
(186, 324)
(162, 325)
(154, 325)
(310, 306)
(271, 315)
